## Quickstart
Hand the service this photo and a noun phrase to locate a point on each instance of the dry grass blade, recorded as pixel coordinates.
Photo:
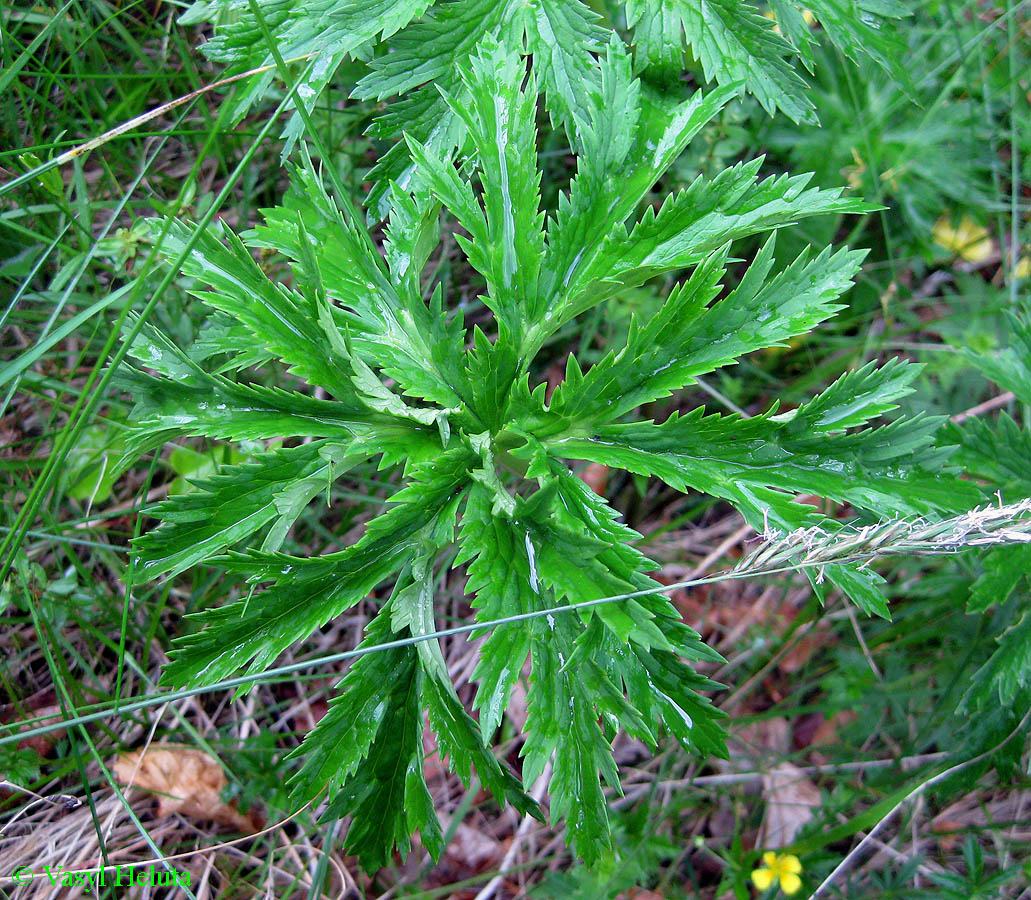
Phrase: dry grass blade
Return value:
(815, 546)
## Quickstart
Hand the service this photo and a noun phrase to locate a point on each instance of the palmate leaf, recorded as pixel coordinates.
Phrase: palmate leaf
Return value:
(563, 36)
(574, 684)
(578, 528)
(380, 709)
(692, 224)
(1004, 569)
(892, 468)
(589, 513)
(688, 228)
(706, 453)
(458, 736)
(562, 723)
(500, 121)
(429, 42)
(756, 464)
(627, 140)
(186, 400)
(425, 53)
(520, 563)
(500, 584)
(506, 239)
(638, 648)
(376, 774)
(283, 322)
(228, 342)
(733, 41)
(381, 329)
(1006, 677)
(999, 452)
(1010, 366)
(429, 55)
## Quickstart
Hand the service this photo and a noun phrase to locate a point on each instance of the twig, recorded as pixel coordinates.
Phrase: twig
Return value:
(847, 862)
(988, 405)
(633, 791)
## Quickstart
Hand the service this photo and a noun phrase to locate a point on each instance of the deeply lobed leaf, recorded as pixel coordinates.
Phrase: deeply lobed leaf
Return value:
(485, 456)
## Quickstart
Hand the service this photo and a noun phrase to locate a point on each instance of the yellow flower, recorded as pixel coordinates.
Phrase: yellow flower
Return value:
(807, 15)
(968, 239)
(780, 867)
(1023, 267)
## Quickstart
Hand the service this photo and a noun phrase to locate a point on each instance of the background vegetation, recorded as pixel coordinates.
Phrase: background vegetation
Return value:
(837, 718)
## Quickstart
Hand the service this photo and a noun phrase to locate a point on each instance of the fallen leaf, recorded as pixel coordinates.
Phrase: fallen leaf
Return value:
(791, 801)
(470, 846)
(187, 781)
(800, 652)
(967, 239)
(790, 796)
(41, 705)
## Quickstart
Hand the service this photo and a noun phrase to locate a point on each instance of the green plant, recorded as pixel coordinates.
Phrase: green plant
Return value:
(484, 455)
(995, 453)
(919, 159)
(976, 883)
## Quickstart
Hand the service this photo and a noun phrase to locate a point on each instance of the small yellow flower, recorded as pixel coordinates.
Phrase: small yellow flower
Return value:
(780, 867)
(967, 239)
(1023, 267)
(807, 15)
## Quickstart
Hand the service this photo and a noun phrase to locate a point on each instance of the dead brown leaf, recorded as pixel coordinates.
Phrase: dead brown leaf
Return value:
(790, 796)
(791, 801)
(947, 832)
(472, 847)
(186, 781)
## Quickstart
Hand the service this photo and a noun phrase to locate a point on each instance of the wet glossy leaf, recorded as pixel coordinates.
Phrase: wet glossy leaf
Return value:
(732, 41)
(370, 338)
